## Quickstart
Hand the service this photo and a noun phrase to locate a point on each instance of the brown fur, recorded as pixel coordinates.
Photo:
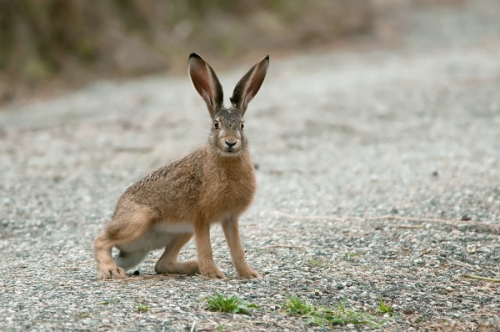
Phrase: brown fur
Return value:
(215, 183)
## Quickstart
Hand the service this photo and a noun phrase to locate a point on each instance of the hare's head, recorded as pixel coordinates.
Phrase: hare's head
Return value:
(227, 135)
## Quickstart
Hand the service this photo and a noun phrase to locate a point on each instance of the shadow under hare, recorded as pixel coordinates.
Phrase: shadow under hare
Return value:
(213, 184)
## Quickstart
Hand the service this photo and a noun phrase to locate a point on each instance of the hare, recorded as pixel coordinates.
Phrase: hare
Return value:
(213, 184)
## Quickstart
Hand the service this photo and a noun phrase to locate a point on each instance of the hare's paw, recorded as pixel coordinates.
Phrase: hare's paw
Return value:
(248, 274)
(213, 273)
(111, 272)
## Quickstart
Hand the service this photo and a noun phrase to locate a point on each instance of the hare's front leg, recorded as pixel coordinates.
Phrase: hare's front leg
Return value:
(106, 267)
(204, 251)
(230, 226)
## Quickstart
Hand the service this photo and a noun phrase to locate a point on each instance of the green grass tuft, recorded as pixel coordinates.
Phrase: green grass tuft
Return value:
(233, 304)
(351, 254)
(142, 308)
(385, 308)
(320, 316)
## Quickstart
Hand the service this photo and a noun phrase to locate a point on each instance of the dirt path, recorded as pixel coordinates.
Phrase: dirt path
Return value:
(384, 168)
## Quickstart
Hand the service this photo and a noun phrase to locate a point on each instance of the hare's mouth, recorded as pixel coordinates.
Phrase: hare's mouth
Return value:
(229, 151)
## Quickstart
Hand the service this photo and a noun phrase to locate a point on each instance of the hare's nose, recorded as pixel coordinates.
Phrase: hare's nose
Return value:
(230, 144)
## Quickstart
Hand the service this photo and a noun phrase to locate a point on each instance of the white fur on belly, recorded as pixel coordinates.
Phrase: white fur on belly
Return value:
(178, 228)
(159, 236)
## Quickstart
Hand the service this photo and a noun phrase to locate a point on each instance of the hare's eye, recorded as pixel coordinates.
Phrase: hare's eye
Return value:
(242, 125)
(216, 124)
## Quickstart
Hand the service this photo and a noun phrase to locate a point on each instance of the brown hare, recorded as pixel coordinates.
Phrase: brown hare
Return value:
(215, 183)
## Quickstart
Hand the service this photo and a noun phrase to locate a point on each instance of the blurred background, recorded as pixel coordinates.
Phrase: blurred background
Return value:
(50, 46)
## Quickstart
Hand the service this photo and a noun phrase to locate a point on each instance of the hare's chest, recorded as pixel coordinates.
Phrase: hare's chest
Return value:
(239, 194)
(232, 195)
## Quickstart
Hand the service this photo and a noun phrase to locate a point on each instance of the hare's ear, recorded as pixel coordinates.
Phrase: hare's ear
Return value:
(205, 82)
(249, 85)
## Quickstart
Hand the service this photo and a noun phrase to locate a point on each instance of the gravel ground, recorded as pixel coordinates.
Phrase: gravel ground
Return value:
(378, 177)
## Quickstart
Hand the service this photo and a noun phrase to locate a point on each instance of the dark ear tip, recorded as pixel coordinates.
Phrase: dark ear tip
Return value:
(194, 55)
(266, 57)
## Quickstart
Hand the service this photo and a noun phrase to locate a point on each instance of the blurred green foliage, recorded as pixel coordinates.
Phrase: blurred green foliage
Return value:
(72, 38)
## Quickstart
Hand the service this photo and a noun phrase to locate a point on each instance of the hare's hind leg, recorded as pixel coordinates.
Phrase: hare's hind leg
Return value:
(168, 262)
(126, 227)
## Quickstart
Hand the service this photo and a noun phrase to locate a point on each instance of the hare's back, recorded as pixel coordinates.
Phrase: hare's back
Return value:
(173, 187)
